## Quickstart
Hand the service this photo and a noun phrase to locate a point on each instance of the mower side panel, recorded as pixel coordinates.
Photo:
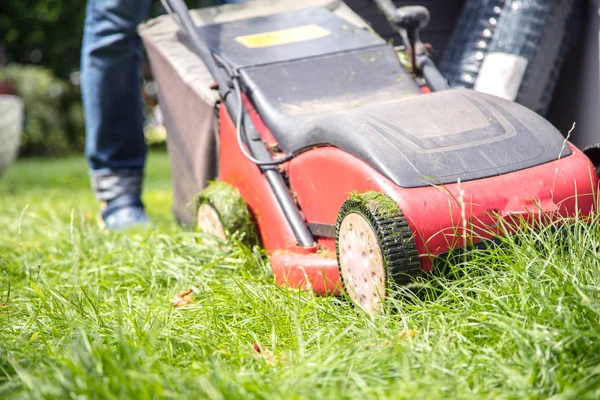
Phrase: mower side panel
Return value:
(237, 170)
(323, 178)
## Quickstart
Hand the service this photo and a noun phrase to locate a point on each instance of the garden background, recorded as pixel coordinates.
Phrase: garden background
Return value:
(87, 314)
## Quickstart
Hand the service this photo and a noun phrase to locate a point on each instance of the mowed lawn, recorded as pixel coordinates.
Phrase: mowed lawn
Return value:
(88, 314)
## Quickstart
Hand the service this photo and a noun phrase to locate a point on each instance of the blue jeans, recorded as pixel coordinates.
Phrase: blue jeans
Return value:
(111, 60)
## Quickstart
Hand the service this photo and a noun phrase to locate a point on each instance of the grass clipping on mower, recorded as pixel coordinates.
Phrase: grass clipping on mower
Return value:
(376, 200)
(383, 205)
(232, 210)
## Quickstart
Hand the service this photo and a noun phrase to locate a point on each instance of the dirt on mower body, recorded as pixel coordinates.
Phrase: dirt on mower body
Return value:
(371, 159)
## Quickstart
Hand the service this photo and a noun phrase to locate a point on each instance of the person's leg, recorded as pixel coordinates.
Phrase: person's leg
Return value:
(111, 88)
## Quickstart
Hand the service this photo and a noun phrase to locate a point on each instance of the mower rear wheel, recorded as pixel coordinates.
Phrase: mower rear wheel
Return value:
(209, 222)
(593, 153)
(375, 249)
(221, 209)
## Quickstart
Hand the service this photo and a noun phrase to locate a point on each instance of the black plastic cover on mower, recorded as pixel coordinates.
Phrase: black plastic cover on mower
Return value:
(347, 88)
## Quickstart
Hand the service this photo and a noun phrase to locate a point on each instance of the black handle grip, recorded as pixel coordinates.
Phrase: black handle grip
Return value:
(407, 17)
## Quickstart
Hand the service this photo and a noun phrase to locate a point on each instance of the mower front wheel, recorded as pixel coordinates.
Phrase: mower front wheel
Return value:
(375, 249)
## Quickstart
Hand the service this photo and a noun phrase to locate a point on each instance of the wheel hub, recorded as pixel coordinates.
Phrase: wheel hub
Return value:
(208, 221)
(361, 263)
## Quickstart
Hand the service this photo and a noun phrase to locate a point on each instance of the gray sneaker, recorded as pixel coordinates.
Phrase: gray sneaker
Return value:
(124, 212)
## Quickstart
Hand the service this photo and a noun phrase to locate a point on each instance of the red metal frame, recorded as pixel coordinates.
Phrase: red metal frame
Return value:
(323, 178)
(443, 217)
(237, 170)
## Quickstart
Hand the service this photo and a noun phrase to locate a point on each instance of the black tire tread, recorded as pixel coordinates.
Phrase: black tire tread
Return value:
(395, 238)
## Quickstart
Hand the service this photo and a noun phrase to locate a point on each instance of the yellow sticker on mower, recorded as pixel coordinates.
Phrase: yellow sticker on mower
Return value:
(284, 36)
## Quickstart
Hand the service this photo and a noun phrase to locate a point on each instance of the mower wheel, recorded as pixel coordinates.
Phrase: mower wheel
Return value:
(375, 249)
(593, 153)
(221, 209)
(208, 221)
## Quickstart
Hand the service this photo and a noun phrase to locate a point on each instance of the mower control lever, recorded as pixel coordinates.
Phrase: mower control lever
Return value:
(409, 20)
(412, 17)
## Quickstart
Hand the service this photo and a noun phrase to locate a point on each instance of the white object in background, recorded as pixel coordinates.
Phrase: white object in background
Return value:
(501, 75)
(11, 125)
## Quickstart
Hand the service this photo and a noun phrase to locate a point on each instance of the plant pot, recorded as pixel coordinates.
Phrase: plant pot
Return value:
(11, 126)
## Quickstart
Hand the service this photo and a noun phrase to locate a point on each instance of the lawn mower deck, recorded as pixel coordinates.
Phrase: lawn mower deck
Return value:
(382, 178)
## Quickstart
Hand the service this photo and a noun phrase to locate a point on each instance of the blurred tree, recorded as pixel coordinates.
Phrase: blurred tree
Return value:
(48, 32)
(43, 32)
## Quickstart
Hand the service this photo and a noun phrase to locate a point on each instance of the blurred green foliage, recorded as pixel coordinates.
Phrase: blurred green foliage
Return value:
(43, 32)
(48, 32)
(54, 122)
(41, 40)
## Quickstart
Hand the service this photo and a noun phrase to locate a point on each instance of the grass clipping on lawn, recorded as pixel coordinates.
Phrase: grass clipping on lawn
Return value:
(89, 315)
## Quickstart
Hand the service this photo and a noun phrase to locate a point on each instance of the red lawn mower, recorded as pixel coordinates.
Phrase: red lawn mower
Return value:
(360, 170)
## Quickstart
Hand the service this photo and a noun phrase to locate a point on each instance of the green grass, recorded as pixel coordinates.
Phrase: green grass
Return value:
(89, 314)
